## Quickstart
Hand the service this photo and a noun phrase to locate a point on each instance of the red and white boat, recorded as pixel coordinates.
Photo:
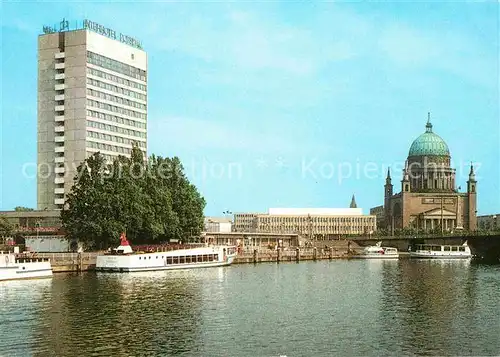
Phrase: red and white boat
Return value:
(124, 259)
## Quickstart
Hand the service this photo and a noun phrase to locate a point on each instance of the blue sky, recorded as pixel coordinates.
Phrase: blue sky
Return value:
(274, 104)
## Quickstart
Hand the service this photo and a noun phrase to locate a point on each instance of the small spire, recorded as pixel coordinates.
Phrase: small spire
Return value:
(389, 173)
(471, 173)
(353, 202)
(428, 126)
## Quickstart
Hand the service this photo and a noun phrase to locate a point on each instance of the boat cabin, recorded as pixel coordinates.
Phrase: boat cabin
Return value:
(441, 248)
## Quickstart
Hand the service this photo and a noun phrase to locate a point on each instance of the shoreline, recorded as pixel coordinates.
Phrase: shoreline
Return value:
(85, 262)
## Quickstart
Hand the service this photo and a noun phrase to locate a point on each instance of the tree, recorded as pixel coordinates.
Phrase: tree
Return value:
(23, 209)
(151, 201)
(5, 227)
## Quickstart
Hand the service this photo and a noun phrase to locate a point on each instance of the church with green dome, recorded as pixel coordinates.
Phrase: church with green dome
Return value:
(429, 200)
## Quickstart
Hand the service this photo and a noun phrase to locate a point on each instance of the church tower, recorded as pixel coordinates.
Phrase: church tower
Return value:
(405, 182)
(387, 199)
(471, 200)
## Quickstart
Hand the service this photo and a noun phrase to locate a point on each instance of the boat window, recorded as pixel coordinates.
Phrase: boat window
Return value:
(447, 249)
(169, 260)
(216, 256)
(211, 257)
(149, 257)
(139, 258)
(182, 260)
(199, 258)
(188, 259)
(461, 249)
(205, 258)
(156, 257)
(454, 249)
(175, 260)
(436, 248)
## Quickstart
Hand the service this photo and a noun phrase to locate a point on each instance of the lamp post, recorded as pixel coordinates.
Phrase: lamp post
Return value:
(226, 213)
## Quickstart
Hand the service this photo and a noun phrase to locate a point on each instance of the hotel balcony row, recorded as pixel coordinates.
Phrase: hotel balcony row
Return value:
(59, 118)
(59, 139)
(59, 201)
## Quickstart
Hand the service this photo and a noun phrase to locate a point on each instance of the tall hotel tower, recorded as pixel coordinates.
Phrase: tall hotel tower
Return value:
(92, 96)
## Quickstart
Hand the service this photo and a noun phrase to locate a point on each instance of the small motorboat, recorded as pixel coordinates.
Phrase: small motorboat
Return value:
(376, 252)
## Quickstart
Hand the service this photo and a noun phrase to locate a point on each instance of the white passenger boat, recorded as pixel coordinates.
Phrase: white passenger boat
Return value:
(14, 267)
(441, 251)
(124, 259)
(377, 252)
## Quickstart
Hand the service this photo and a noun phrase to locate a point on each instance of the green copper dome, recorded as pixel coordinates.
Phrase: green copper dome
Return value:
(429, 144)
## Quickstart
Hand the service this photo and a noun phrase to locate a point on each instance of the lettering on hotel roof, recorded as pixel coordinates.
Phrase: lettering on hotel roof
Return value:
(64, 25)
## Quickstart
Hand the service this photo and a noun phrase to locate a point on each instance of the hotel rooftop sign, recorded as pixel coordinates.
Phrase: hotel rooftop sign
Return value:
(64, 25)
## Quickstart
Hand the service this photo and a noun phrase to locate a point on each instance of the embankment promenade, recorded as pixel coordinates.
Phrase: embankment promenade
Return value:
(85, 261)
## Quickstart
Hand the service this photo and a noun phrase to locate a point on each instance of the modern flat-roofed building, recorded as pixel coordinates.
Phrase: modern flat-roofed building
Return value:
(317, 223)
(33, 222)
(244, 222)
(217, 225)
(92, 96)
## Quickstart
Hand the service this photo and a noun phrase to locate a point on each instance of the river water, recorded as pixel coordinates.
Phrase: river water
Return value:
(324, 308)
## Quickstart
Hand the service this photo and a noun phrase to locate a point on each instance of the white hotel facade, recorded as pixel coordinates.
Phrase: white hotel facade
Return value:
(92, 96)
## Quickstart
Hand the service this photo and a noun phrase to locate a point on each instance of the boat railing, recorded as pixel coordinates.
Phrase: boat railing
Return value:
(164, 248)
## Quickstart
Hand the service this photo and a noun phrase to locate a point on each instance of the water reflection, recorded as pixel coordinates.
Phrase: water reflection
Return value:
(324, 308)
(123, 315)
(21, 304)
(426, 304)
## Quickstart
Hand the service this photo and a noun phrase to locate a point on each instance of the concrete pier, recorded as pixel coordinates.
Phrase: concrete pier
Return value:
(79, 262)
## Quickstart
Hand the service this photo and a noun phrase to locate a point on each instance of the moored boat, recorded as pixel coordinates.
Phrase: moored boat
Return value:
(377, 252)
(14, 267)
(436, 251)
(124, 259)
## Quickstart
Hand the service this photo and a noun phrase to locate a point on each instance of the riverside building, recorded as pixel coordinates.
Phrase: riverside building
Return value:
(92, 97)
(314, 223)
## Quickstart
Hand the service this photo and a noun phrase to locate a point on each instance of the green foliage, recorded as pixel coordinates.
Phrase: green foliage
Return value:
(152, 202)
(5, 227)
(23, 209)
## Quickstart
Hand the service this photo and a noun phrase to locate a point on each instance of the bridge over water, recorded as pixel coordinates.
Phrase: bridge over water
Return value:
(484, 247)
